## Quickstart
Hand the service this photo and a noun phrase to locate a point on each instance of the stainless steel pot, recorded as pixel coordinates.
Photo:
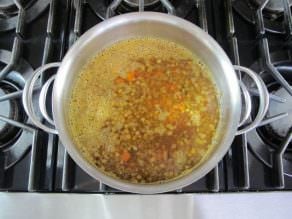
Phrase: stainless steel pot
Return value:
(155, 25)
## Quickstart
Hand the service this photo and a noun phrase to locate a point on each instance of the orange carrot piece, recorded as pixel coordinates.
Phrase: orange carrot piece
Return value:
(125, 156)
(157, 73)
(119, 80)
(179, 106)
(171, 86)
(131, 76)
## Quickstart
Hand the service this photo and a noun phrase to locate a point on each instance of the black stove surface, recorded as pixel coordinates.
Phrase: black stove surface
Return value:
(36, 32)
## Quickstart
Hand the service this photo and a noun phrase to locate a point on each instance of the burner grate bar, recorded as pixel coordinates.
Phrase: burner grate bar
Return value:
(244, 182)
(14, 58)
(169, 7)
(14, 95)
(141, 5)
(240, 177)
(46, 54)
(213, 183)
(68, 173)
(201, 5)
(102, 187)
(235, 52)
(231, 34)
(9, 96)
(17, 124)
(49, 36)
(111, 8)
(230, 20)
(273, 119)
(78, 21)
(287, 18)
(36, 159)
(272, 97)
(32, 182)
(20, 20)
(260, 22)
(271, 68)
(69, 165)
(240, 169)
(265, 50)
(51, 17)
(277, 164)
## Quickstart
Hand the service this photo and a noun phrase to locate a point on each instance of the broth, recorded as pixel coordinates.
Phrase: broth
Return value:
(144, 110)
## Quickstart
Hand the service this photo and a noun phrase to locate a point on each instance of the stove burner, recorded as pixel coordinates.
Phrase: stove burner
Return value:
(272, 13)
(275, 132)
(135, 3)
(8, 8)
(265, 141)
(275, 6)
(11, 109)
(281, 127)
(15, 141)
(9, 12)
(182, 8)
(6, 5)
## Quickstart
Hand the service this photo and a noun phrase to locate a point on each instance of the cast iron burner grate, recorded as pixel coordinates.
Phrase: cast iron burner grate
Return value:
(105, 9)
(15, 141)
(42, 31)
(273, 13)
(11, 109)
(29, 10)
(274, 136)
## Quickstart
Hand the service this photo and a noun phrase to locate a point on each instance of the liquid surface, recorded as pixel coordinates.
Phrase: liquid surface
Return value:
(144, 110)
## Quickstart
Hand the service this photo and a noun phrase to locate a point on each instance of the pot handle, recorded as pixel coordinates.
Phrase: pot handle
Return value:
(27, 98)
(263, 101)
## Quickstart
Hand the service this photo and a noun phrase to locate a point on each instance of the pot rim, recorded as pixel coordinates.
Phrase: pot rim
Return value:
(183, 181)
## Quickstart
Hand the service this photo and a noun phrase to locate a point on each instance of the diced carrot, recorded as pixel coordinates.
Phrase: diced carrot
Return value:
(125, 156)
(180, 107)
(157, 73)
(131, 76)
(171, 86)
(152, 102)
(119, 80)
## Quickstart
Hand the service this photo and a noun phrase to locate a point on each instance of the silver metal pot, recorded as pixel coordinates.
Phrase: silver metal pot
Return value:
(155, 25)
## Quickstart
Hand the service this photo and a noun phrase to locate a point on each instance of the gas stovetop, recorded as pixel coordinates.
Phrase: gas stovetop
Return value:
(254, 33)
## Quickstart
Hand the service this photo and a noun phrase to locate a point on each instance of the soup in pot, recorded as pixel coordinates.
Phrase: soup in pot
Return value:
(144, 110)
